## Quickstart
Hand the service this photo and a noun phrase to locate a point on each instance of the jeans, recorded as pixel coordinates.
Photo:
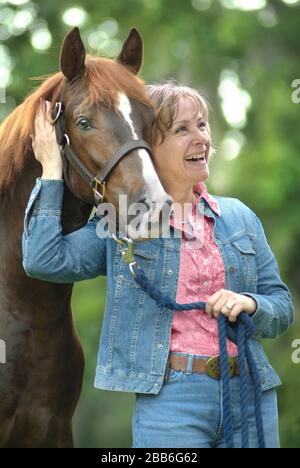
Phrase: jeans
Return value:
(188, 413)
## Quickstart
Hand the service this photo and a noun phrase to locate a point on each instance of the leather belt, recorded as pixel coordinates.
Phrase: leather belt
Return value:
(209, 366)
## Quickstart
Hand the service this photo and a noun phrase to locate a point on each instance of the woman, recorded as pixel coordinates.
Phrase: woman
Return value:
(164, 357)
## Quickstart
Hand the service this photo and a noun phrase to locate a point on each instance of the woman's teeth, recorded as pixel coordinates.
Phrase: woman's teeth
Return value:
(194, 158)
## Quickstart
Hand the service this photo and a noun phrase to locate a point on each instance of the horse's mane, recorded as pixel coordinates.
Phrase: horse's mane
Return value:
(104, 79)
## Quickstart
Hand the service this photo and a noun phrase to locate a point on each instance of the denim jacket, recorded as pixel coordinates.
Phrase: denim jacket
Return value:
(135, 337)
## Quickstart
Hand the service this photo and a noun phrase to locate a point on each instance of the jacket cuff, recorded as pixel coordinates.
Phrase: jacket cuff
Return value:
(263, 315)
(50, 195)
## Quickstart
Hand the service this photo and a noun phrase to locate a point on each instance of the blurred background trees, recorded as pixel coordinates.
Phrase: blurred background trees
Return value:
(244, 56)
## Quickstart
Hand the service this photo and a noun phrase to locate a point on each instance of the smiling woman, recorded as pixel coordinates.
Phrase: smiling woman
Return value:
(233, 270)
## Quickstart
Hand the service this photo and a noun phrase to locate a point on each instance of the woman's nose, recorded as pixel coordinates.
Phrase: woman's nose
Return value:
(199, 136)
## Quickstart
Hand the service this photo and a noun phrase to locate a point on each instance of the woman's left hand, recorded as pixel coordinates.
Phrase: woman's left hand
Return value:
(229, 304)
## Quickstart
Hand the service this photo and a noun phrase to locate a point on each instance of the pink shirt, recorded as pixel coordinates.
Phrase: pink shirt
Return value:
(201, 274)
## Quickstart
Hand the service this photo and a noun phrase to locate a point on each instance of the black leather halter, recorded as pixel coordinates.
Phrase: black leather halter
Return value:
(100, 179)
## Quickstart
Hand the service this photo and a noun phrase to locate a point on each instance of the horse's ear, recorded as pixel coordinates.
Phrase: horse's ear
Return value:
(132, 52)
(72, 55)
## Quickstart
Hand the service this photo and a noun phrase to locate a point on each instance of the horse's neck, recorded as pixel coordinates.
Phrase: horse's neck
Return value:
(12, 209)
(13, 280)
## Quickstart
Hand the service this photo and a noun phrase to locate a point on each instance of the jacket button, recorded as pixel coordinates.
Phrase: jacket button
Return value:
(231, 269)
(170, 272)
(160, 346)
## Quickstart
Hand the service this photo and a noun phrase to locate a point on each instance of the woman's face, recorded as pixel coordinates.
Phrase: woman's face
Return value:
(188, 137)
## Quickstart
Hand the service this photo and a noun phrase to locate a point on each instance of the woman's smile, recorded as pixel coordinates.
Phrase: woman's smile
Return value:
(197, 160)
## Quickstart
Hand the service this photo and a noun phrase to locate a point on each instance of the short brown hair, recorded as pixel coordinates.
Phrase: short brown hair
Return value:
(165, 98)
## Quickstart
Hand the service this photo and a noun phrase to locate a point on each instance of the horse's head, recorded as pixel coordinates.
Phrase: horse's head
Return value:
(107, 118)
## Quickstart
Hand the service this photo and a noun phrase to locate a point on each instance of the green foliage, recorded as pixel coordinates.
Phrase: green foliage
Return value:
(194, 44)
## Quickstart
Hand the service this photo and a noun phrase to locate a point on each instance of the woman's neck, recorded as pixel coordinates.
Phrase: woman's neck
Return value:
(183, 200)
(181, 195)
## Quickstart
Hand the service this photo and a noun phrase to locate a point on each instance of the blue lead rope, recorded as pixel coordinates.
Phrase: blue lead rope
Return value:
(239, 333)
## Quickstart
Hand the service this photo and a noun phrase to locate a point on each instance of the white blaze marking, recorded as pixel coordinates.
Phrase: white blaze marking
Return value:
(149, 173)
(125, 109)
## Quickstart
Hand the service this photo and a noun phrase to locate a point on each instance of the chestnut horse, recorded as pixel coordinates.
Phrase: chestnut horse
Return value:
(105, 106)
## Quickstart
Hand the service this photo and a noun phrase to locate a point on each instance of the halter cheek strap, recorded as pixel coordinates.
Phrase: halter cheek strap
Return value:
(95, 182)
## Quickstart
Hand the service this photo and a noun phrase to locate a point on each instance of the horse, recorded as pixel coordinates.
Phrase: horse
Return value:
(41, 380)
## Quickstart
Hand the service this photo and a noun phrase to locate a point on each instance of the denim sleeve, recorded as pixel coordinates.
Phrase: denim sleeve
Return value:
(275, 312)
(49, 255)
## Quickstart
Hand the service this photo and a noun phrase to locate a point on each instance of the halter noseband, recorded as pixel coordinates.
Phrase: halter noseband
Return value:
(100, 179)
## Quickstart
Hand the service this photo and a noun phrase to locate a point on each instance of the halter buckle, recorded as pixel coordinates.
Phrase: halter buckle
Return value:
(96, 191)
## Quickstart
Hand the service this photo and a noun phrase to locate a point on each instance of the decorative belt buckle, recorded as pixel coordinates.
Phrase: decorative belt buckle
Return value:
(212, 367)
(232, 366)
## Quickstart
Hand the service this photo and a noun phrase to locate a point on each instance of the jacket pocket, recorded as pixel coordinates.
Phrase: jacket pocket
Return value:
(244, 246)
(246, 260)
(144, 255)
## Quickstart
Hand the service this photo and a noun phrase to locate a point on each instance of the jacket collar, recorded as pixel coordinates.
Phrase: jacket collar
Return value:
(200, 190)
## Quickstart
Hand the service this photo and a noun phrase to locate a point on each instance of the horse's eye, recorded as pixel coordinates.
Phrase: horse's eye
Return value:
(84, 124)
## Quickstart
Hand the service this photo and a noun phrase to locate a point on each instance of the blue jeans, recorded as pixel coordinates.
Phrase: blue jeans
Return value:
(188, 413)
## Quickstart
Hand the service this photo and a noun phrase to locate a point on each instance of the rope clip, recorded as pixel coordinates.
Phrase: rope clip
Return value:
(127, 252)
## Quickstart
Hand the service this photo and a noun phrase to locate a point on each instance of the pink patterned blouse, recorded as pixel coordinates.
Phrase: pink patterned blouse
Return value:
(201, 274)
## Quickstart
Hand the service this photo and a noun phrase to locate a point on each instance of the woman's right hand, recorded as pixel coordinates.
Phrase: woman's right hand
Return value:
(44, 144)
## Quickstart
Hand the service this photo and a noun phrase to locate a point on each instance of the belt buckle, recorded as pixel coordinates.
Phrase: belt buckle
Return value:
(232, 366)
(212, 367)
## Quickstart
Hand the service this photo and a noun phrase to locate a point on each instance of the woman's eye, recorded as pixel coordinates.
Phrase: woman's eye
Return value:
(202, 125)
(181, 129)
(83, 124)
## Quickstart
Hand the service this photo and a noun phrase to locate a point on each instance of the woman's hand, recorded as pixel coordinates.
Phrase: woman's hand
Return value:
(229, 304)
(44, 144)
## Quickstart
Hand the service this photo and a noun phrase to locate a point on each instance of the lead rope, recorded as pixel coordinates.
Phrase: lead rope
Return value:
(239, 333)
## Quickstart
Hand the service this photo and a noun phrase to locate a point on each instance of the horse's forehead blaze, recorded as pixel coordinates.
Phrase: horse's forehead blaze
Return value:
(148, 171)
(125, 109)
